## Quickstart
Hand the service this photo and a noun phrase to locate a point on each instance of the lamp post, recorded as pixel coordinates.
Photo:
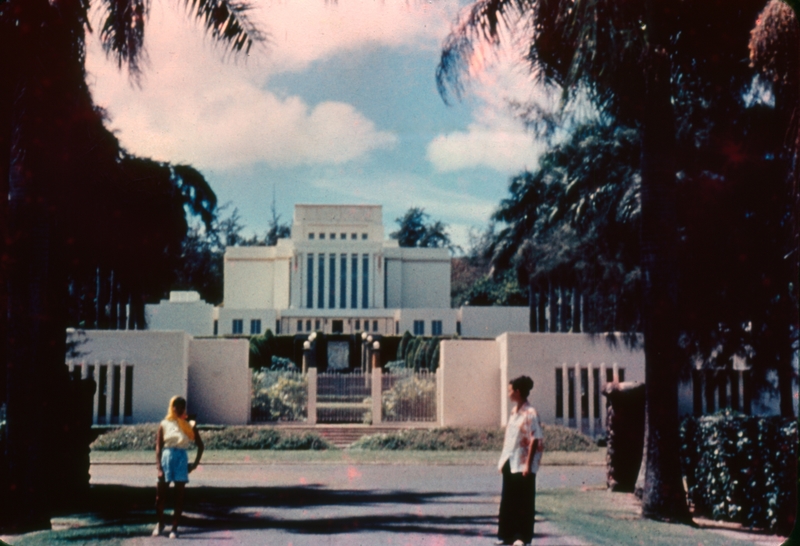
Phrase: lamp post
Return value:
(364, 336)
(376, 353)
(306, 355)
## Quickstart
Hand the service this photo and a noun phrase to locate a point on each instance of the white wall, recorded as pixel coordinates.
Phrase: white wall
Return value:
(195, 318)
(447, 316)
(219, 381)
(539, 355)
(227, 315)
(490, 322)
(467, 376)
(257, 276)
(159, 359)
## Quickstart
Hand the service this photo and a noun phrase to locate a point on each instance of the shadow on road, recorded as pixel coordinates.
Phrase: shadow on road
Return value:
(117, 510)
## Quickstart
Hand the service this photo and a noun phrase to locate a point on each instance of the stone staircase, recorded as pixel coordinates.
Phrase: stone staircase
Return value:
(343, 435)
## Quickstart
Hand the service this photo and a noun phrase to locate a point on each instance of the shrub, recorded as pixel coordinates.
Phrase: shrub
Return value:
(279, 396)
(142, 437)
(129, 438)
(741, 468)
(262, 438)
(556, 438)
(407, 394)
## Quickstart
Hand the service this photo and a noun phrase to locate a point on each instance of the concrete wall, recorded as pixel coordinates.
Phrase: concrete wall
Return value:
(228, 315)
(195, 318)
(490, 322)
(447, 316)
(219, 381)
(468, 372)
(159, 359)
(540, 355)
(257, 277)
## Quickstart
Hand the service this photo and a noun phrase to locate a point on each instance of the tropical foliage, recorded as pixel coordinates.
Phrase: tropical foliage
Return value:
(415, 230)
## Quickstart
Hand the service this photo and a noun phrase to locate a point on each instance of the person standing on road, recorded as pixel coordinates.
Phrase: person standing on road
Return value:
(519, 462)
(175, 435)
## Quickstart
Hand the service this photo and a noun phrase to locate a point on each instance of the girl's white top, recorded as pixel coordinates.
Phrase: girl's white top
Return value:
(174, 436)
(523, 426)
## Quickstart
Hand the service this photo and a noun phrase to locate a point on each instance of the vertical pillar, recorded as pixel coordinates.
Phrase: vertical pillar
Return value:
(123, 387)
(109, 390)
(96, 402)
(603, 383)
(311, 406)
(615, 368)
(565, 393)
(578, 398)
(591, 400)
(377, 406)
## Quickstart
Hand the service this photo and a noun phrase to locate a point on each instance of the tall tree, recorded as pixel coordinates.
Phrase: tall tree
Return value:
(415, 230)
(647, 65)
(43, 94)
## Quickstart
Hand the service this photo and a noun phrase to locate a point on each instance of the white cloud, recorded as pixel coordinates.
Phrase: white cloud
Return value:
(196, 106)
(497, 78)
(505, 149)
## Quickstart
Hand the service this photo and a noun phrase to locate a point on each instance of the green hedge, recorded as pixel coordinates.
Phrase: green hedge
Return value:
(267, 345)
(143, 438)
(556, 438)
(742, 468)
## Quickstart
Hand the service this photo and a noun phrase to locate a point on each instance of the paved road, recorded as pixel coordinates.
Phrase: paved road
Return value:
(339, 504)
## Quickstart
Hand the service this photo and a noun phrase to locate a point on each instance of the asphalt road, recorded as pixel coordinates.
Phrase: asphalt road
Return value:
(339, 504)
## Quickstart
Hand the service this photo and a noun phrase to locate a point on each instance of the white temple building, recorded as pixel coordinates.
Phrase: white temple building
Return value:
(336, 274)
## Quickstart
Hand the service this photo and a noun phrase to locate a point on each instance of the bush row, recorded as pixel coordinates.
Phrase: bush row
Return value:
(417, 352)
(556, 438)
(143, 438)
(742, 468)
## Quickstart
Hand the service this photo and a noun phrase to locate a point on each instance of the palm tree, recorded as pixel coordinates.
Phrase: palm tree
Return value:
(44, 97)
(775, 53)
(640, 64)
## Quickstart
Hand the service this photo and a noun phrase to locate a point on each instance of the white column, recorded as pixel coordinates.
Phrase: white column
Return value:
(109, 390)
(604, 406)
(96, 402)
(615, 372)
(578, 414)
(123, 368)
(377, 407)
(311, 376)
(591, 399)
(359, 280)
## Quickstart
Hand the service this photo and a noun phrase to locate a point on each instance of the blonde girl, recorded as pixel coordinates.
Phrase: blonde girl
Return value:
(175, 435)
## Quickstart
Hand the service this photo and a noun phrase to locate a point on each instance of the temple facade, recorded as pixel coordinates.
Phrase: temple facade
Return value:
(337, 274)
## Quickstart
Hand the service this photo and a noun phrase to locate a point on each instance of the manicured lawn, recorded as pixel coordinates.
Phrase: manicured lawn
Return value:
(351, 456)
(608, 519)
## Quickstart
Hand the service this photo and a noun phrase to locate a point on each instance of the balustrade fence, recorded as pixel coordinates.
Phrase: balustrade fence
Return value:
(113, 397)
(579, 403)
(368, 398)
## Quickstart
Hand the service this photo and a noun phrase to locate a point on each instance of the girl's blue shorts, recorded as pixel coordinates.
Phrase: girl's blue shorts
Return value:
(175, 463)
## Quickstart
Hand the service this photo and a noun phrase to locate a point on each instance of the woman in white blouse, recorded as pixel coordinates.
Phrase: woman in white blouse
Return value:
(175, 435)
(519, 462)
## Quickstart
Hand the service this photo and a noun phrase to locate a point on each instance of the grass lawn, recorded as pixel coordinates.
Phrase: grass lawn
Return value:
(348, 456)
(594, 516)
(608, 519)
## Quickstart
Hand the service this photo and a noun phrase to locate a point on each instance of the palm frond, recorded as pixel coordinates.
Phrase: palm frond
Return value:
(228, 22)
(122, 33)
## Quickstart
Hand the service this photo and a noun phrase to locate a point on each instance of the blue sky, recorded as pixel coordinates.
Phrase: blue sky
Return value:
(339, 107)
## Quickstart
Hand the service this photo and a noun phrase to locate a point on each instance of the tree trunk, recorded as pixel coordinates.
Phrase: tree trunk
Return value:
(577, 316)
(663, 496)
(542, 307)
(531, 305)
(553, 307)
(113, 300)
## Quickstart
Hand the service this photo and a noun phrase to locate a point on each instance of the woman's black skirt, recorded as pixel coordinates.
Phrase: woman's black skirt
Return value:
(517, 507)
